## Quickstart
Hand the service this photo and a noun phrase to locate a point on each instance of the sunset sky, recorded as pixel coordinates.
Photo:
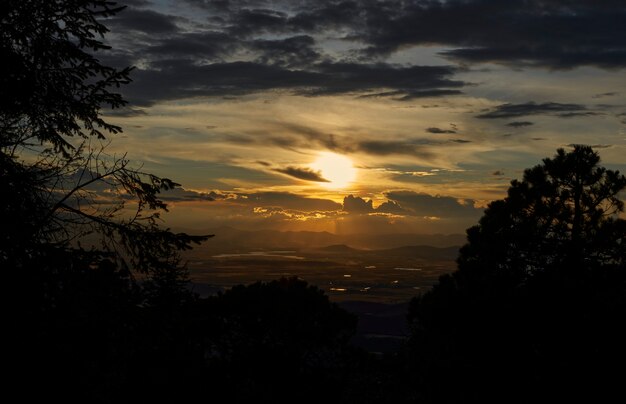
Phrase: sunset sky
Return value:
(362, 116)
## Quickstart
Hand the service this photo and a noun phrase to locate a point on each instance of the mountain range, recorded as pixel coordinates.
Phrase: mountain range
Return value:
(231, 240)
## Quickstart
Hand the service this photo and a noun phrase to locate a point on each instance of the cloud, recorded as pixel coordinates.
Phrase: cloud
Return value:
(207, 45)
(257, 21)
(424, 205)
(136, 3)
(125, 112)
(338, 78)
(286, 200)
(437, 92)
(254, 46)
(186, 195)
(405, 211)
(219, 195)
(250, 46)
(207, 61)
(519, 124)
(576, 114)
(182, 78)
(595, 146)
(146, 21)
(409, 203)
(556, 35)
(609, 94)
(296, 51)
(531, 108)
(302, 174)
(109, 190)
(355, 204)
(305, 137)
(391, 147)
(438, 130)
(403, 95)
(392, 207)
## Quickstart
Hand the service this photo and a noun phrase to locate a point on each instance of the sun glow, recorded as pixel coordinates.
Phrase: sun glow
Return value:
(337, 169)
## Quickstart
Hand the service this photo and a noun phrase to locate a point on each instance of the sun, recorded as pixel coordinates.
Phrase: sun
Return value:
(337, 169)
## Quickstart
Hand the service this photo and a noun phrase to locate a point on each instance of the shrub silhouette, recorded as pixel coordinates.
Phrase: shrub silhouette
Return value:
(282, 341)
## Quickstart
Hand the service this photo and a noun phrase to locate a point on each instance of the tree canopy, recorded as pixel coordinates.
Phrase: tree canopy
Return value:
(63, 183)
(81, 243)
(537, 303)
(563, 212)
(54, 87)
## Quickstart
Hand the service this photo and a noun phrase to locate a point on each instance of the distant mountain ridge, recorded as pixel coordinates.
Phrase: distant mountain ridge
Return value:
(228, 239)
(338, 248)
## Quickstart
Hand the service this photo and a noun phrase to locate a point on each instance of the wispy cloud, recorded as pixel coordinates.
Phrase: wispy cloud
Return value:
(532, 108)
(302, 174)
(439, 130)
(519, 124)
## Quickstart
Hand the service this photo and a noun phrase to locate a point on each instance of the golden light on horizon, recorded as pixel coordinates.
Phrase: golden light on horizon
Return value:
(336, 168)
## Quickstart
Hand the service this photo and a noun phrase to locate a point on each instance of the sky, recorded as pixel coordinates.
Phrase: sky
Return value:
(399, 116)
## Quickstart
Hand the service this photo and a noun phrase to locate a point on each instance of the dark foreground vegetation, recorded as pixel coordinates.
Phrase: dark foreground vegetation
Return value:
(535, 310)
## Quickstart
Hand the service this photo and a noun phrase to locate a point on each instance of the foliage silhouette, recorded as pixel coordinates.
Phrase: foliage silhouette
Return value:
(562, 213)
(536, 305)
(51, 156)
(281, 341)
(53, 85)
(100, 285)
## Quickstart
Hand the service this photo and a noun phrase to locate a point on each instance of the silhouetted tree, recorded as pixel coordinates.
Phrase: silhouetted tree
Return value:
(51, 160)
(538, 300)
(99, 283)
(281, 341)
(563, 213)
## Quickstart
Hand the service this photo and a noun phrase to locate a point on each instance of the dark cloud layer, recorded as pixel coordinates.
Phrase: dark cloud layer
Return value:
(553, 34)
(250, 46)
(409, 203)
(207, 45)
(393, 208)
(420, 204)
(180, 78)
(286, 200)
(305, 137)
(296, 51)
(357, 204)
(519, 124)
(532, 108)
(302, 174)
(439, 130)
(125, 112)
(392, 147)
(185, 195)
(146, 21)
(603, 95)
